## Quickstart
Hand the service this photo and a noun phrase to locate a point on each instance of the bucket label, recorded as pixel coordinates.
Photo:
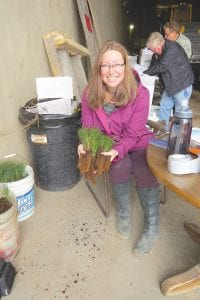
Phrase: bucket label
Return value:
(39, 138)
(25, 205)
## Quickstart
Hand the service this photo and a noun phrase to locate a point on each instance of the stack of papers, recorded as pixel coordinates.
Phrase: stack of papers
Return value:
(55, 106)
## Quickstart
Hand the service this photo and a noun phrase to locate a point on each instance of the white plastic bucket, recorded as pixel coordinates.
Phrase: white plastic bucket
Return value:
(24, 192)
(9, 231)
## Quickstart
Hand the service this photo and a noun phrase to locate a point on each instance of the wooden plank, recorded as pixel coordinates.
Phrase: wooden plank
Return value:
(93, 13)
(52, 54)
(88, 27)
(72, 47)
(194, 232)
(182, 283)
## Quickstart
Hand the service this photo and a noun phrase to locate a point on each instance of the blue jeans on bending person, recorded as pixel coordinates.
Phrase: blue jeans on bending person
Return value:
(167, 103)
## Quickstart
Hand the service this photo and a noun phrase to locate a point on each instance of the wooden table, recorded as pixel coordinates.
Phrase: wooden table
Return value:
(185, 186)
(188, 188)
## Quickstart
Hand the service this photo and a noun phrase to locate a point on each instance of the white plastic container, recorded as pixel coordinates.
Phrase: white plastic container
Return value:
(24, 192)
(9, 230)
(132, 60)
(145, 58)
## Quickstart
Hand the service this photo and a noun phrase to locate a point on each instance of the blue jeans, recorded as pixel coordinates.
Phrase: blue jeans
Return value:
(167, 103)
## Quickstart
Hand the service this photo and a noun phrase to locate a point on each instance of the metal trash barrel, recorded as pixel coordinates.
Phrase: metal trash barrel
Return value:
(54, 151)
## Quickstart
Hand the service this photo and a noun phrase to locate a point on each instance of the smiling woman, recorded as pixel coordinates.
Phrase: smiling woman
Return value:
(117, 104)
(111, 73)
(112, 70)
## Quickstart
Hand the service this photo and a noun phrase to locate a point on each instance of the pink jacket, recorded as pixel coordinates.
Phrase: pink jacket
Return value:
(127, 124)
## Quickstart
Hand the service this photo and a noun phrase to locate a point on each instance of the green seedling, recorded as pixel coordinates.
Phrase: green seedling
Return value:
(106, 143)
(94, 142)
(12, 171)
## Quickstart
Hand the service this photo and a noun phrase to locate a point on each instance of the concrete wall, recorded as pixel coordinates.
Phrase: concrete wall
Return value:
(23, 57)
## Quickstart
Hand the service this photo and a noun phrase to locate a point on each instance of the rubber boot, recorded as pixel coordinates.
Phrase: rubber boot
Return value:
(149, 199)
(122, 195)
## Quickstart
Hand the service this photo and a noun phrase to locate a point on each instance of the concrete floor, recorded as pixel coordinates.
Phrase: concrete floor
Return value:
(69, 250)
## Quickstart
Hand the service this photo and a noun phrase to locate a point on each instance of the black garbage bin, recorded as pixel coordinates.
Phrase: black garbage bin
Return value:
(54, 151)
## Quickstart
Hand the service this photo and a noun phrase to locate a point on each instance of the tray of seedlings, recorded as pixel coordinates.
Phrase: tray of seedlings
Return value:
(93, 163)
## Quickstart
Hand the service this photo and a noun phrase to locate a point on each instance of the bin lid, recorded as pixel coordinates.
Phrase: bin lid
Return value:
(46, 120)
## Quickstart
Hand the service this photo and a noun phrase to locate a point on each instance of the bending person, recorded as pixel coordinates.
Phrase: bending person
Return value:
(176, 73)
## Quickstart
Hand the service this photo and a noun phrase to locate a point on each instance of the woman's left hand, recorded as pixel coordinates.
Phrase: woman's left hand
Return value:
(112, 153)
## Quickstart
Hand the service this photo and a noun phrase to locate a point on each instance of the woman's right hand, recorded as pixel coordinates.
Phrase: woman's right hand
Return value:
(112, 153)
(81, 150)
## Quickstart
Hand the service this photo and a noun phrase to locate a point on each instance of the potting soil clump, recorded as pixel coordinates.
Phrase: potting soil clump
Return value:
(5, 204)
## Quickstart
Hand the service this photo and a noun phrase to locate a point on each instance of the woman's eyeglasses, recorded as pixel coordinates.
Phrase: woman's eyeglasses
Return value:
(116, 67)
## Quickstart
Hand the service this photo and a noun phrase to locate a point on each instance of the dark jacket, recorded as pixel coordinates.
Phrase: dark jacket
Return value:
(174, 68)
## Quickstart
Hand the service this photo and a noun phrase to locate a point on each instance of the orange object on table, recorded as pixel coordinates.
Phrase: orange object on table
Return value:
(194, 150)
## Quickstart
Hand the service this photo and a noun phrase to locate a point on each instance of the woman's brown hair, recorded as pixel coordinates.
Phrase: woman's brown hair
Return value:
(127, 89)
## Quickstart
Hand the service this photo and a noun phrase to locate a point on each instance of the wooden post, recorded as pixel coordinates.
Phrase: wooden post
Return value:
(89, 29)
